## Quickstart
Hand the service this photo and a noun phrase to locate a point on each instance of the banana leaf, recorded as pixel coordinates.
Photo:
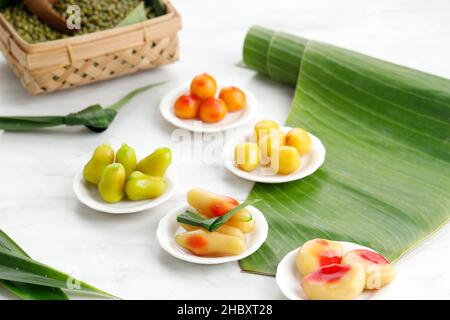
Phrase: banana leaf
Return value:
(137, 15)
(385, 181)
(30, 279)
(95, 117)
(27, 291)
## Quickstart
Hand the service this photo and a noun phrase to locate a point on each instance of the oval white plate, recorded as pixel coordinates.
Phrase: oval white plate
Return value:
(288, 277)
(168, 227)
(231, 120)
(309, 162)
(88, 194)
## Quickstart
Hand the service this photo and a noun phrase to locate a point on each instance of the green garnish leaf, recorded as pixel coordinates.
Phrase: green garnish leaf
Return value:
(95, 117)
(212, 224)
(30, 279)
(27, 291)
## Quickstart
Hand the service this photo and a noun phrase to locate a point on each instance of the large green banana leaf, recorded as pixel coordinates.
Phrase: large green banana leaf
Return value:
(385, 182)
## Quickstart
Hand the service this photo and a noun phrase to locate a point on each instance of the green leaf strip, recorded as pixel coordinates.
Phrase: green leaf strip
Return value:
(18, 270)
(212, 224)
(95, 117)
(27, 291)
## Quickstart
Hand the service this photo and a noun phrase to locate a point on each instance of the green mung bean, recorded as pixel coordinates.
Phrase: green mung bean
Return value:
(96, 15)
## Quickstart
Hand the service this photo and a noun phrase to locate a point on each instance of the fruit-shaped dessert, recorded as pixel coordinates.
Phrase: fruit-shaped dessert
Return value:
(93, 170)
(335, 282)
(213, 205)
(264, 127)
(204, 86)
(246, 226)
(300, 140)
(127, 157)
(112, 183)
(285, 160)
(203, 243)
(318, 253)
(212, 110)
(187, 106)
(143, 187)
(234, 98)
(225, 229)
(379, 271)
(157, 163)
(138, 175)
(247, 156)
(267, 143)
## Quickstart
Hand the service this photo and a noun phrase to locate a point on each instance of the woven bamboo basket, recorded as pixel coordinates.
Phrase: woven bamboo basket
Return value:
(75, 61)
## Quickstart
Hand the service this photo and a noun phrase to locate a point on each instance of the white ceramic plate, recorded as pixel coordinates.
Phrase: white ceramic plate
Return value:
(309, 162)
(288, 277)
(88, 194)
(231, 120)
(168, 227)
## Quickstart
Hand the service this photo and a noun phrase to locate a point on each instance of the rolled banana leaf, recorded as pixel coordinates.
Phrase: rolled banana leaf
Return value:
(385, 182)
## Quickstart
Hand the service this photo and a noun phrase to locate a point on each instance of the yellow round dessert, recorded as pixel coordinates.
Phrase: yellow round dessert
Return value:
(263, 127)
(300, 140)
(247, 156)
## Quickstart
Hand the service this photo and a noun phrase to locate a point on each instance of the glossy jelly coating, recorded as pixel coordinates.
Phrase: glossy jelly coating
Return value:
(225, 229)
(317, 253)
(247, 156)
(145, 188)
(204, 86)
(335, 282)
(112, 183)
(157, 163)
(187, 106)
(234, 98)
(285, 160)
(203, 243)
(127, 157)
(102, 156)
(379, 271)
(300, 140)
(212, 110)
(264, 127)
(212, 205)
(270, 143)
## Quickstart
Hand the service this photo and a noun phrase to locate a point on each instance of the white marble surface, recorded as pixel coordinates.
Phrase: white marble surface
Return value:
(120, 253)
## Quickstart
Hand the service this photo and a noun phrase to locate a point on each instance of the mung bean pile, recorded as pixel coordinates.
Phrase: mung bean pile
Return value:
(96, 15)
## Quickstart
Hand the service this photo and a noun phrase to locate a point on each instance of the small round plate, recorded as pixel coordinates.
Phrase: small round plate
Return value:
(309, 162)
(88, 194)
(288, 277)
(231, 120)
(168, 227)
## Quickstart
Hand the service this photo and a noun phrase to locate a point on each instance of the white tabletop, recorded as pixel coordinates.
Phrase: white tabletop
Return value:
(120, 254)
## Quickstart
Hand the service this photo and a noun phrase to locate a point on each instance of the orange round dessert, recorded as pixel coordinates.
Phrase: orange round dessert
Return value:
(204, 86)
(212, 110)
(186, 106)
(234, 98)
